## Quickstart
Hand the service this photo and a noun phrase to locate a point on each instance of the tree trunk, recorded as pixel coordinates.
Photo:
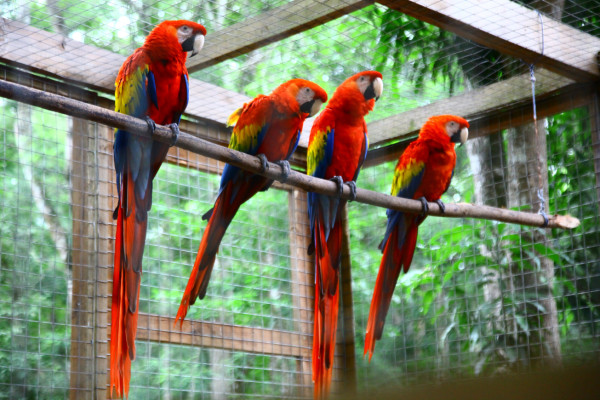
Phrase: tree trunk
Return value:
(486, 156)
(527, 164)
(220, 387)
(527, 172)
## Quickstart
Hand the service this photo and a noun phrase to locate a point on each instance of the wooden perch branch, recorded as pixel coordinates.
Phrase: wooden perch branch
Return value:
(250, 163)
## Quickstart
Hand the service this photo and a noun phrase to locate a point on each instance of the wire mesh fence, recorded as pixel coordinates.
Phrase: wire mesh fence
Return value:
(484, 297)
(481, 297)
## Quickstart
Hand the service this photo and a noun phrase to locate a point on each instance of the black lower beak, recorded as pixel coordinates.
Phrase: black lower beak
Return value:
(307, 107)
(188, 44)
(370, 92)
(456, 138)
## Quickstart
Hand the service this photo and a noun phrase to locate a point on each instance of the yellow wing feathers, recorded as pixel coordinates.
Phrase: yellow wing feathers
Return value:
(316, 150)
(130, 92)
(245, 137)
(404, 175)
(234, 117)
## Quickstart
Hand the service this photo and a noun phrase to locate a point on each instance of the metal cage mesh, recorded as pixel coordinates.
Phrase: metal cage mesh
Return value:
(481, 297)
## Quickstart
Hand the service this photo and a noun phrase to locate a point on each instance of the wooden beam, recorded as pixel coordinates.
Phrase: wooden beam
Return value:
(83, 260)
(594, 112)
(51, 54)
(222, 336)
(214, 132)
(270, 27)
(511, 29)
(487, 100)
(91, 190)
(58, 56)
(482, 124)
(303, 279)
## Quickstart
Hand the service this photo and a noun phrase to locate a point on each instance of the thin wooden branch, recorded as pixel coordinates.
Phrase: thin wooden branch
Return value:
(250, 163)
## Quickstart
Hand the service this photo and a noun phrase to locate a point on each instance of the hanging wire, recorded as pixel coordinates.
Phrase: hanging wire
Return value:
(540, 191)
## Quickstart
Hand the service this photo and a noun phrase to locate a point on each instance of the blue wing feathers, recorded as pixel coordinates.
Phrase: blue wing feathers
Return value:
(397, 217)
(329, 147)
(409, 190)
(119, 148)
(152, 89)
(184, 96)
(293, 148)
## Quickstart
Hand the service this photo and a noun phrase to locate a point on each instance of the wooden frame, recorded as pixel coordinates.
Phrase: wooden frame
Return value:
(55, 55)
(594, 111)
(270, 27)
(513, 30)
(79, 66)
(93, 234)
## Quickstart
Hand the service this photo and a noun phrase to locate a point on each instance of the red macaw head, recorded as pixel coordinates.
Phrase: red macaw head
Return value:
(182, 34)
(446, 127)
(308, 95)
(358, 93)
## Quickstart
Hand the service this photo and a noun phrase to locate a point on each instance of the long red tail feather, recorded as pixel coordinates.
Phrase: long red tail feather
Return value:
(326, 306)
(129, 246)
(220, 219)
(393, 259)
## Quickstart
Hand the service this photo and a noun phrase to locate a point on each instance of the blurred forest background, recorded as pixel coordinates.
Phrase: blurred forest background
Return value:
(481, 297)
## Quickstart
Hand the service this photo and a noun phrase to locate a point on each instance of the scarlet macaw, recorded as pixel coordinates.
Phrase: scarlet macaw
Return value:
(268, 127)
(423, 172)
(337, 149)
(153, 84)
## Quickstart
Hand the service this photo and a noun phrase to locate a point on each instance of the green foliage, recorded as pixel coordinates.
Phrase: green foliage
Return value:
(34, 317)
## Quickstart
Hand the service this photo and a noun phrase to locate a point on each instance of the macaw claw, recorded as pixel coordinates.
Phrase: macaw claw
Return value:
(285, 169)
(424, 204)
(175, 133)
(151, 124)
(352, 186)
(442, 205)
(339, 183)
(264, 163)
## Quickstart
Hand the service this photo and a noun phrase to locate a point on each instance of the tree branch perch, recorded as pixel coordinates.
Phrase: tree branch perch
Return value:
(192, 143)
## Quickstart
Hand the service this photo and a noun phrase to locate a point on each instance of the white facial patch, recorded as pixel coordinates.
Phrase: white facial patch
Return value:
(451, 128)
(305, 94)
(363, 83)
(183, 33)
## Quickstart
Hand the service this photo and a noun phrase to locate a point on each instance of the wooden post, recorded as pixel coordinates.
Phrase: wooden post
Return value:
(594, 112)
(349, 375)
(303, 277)
(105, 233)
(89, 191)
